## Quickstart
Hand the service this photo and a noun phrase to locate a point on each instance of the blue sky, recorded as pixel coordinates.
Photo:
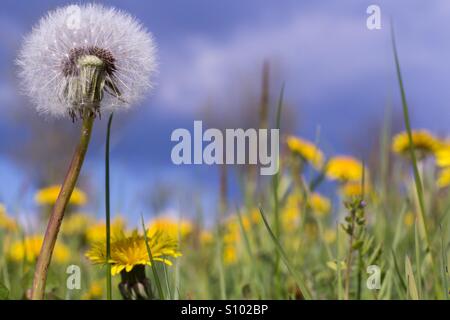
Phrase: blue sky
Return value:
(339, 76)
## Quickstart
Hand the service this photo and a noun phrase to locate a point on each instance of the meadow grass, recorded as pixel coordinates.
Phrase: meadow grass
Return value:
(287, 240)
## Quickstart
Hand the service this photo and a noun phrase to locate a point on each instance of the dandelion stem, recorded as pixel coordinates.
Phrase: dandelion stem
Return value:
(54, 223)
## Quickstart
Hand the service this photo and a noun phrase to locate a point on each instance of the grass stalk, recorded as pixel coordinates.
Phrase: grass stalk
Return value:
(417, 179)
(154, 270)
(297, 277)
(108, 212)
(275, 186)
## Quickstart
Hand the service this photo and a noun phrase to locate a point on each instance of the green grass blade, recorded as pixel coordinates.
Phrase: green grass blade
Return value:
(176, 291)
(275, 187)
(166, 275)
(149, 252)
(244, 233)
(298, 279)
(418, 181)
(444, 268)
(108, 212)
(220, 266)
(251, 256)
(276, 177)
(398, 272)
(418, 259)
(338, 264)
(410, 280)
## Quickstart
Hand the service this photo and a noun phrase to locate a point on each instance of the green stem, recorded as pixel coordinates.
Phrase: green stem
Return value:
(275, 186)
(54, 223)
(348, 270)
(418, 181)
(108, 212)
(152, 262)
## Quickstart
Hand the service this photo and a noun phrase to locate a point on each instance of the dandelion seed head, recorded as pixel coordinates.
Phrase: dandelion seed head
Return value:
(52, 55)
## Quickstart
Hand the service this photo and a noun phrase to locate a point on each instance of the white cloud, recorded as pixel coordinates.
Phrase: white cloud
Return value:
(323, 55)
(312, 50)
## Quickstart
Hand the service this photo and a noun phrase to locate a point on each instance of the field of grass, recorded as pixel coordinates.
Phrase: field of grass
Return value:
(284, 241)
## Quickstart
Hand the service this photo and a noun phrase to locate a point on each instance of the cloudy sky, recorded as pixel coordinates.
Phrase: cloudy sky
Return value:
(339, 76)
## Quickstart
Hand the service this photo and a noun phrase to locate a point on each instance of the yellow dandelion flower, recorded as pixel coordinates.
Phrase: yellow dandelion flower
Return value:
(319, 204)
(344, 169)
(229, 255)
(128, 251)
(444, 178)
(48, 196)
(95, 291)
(311, 230)
(6, 222)
(424, 143)
(290, 218)
(246, 223)
(97, 232)
(409, 219)
(354, 189)
(307, 150)
(232, 233)
(255, 216)
(333, 265)
(290, 215)
(233, 230)
(329, 235)
(443, 157)
(171, 226)
(76, 224)
(29, 249)
(206, 237)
